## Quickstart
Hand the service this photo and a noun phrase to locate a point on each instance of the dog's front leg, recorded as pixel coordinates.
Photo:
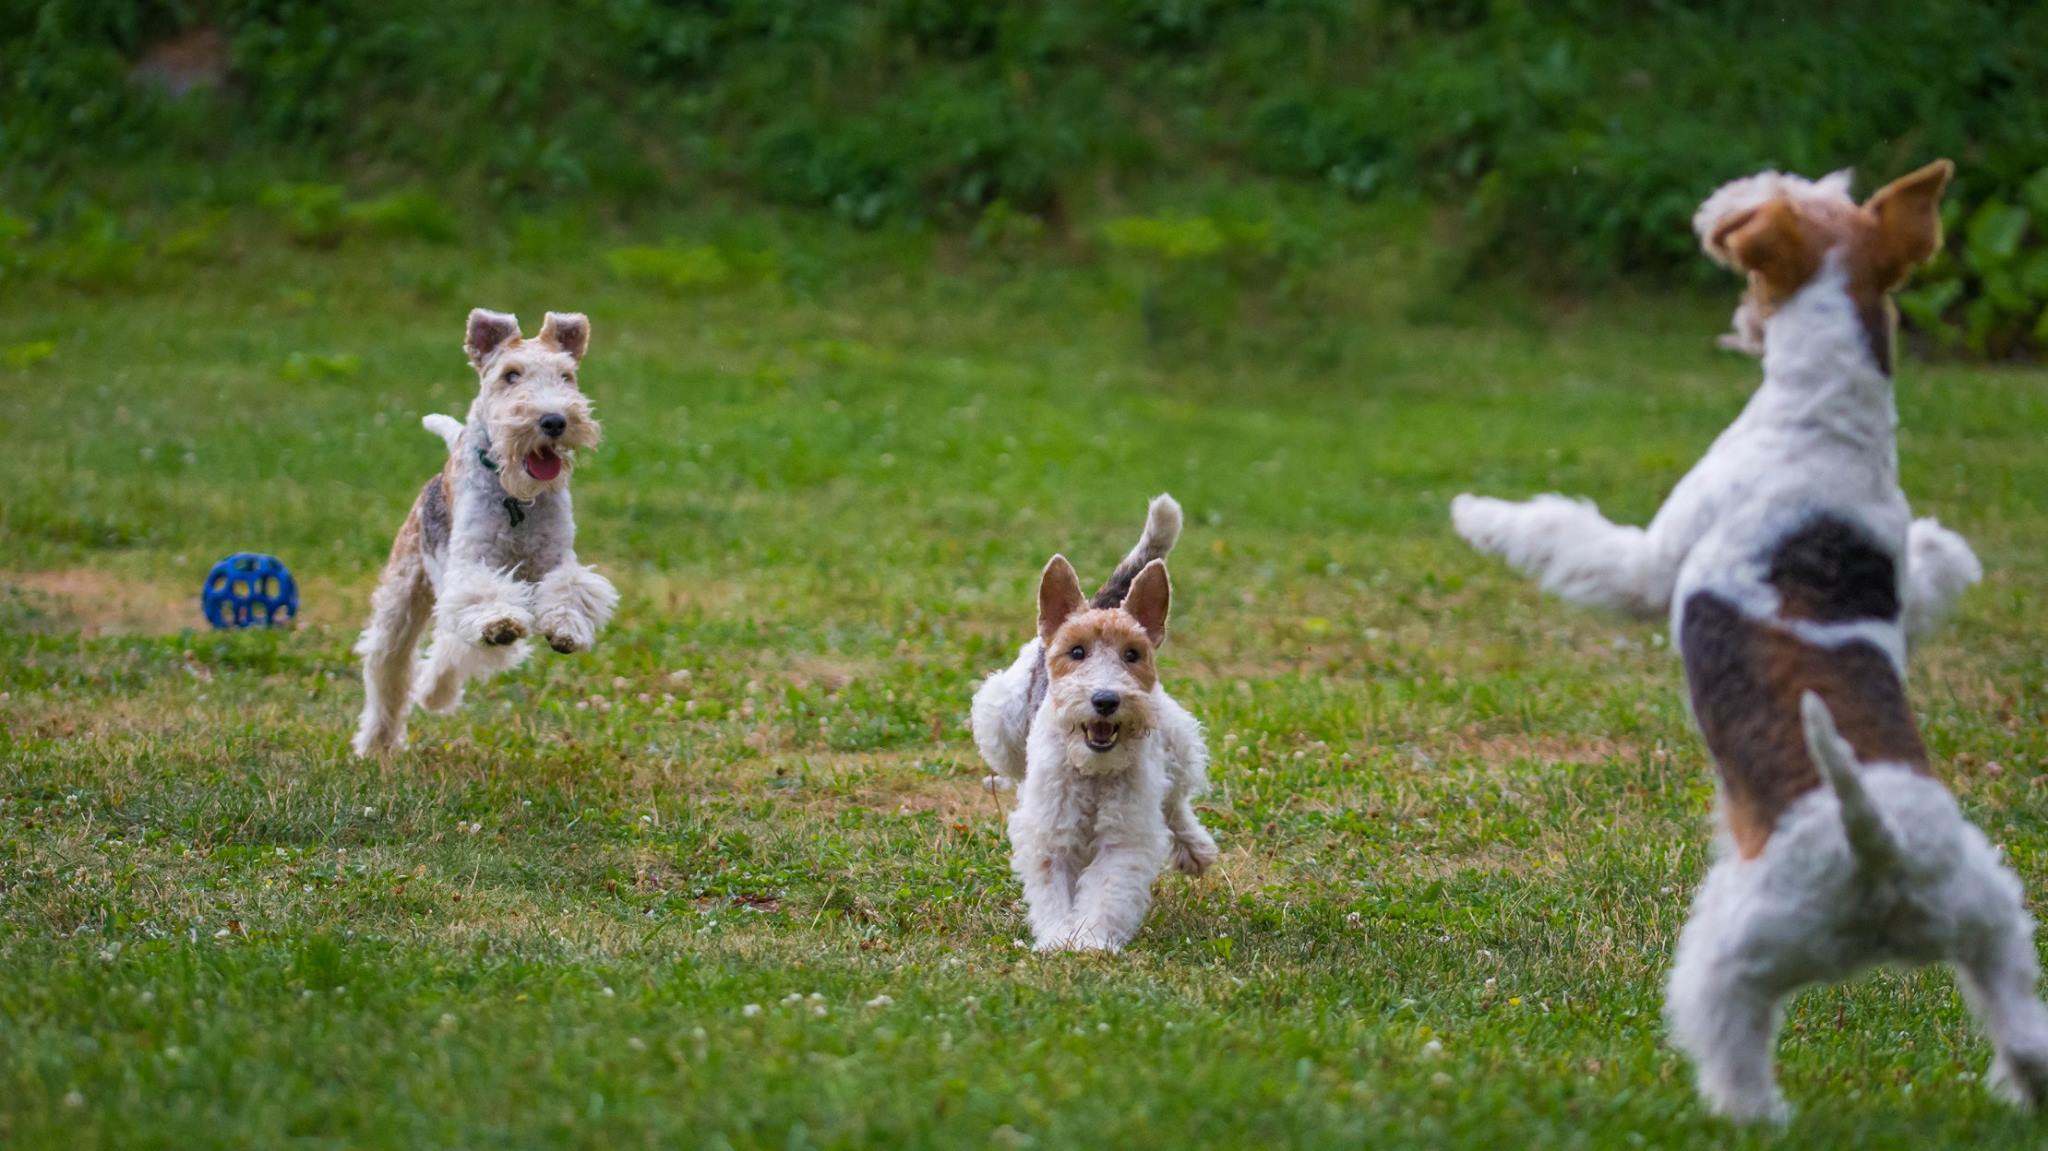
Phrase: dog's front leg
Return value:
(483, 607)
(1940, 567)
(572, 604)
(480, 625)
(1571, 549)
(1048, 898)
(1113, 895)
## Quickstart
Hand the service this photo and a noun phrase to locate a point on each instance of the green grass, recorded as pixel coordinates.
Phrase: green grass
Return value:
(1451, 810)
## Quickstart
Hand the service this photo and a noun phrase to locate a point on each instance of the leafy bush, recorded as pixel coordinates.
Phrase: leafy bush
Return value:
(1575, 138)
(1193, 270)
(1987, 292)
(674, 269)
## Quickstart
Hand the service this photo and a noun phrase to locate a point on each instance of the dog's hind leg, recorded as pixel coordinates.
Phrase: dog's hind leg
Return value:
(399, 610)
(1997, 979)
(1574, 551)
(1721, 1012)
(571, 605)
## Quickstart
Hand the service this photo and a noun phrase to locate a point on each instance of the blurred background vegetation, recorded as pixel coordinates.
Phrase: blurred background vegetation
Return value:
(1564, 144)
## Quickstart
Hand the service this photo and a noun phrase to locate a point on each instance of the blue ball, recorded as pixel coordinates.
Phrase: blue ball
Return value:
(246, 589)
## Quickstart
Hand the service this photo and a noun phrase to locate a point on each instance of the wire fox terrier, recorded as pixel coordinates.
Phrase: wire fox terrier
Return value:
(489, 551)
(1106, 764)
(1795, 576)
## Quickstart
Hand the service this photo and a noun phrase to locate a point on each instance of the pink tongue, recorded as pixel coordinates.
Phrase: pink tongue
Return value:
(543, 466)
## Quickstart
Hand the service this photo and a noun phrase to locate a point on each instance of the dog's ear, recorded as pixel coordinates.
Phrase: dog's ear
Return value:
(487, 330)
(1059, 596)
(569, 331)
(1151, 595)
(1908, 212)
(1771, 243)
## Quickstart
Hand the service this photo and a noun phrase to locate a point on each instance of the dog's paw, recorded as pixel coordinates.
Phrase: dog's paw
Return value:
(502, 631)
(2020, 1078)
(566, 631)
(377, 746)
(1766, 1107)
(993, 782)
(1193, 854)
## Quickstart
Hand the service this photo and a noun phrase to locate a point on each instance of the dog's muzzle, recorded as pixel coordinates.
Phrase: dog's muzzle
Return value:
(543, 464)
(1101, 734)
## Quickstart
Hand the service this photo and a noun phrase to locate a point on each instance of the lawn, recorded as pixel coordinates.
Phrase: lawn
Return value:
(730, 879)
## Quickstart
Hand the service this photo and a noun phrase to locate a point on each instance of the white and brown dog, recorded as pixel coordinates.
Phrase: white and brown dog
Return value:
(1106, 764)
(489, 551)
(1792, 568)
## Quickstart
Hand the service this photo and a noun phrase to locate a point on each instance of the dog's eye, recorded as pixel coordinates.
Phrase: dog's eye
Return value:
(512, 376)
(1077, 653)
(1131, 655)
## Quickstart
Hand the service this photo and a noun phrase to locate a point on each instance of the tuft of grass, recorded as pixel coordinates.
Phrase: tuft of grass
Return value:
(730, 879)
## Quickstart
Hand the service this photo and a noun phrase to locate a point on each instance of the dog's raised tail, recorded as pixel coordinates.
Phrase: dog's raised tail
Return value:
(447, 427)
(1162, 530)
(1871, 838)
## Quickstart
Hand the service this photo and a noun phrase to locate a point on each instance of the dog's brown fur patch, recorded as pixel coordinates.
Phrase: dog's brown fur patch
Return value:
(1782, 244)
(1746, 679)
(1103, 633)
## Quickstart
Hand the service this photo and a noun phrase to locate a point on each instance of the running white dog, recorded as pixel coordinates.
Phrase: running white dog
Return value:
(488, 554)
(1105, 762)
(1787, 552)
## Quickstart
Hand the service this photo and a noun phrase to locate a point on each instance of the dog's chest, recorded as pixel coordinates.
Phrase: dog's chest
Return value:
(485, 525)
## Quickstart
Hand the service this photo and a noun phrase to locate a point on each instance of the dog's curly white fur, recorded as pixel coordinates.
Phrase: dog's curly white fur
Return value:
(1792, 571)
(1106, 763)
(488, 554)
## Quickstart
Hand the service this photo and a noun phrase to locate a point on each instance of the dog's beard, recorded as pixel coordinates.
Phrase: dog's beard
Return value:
(529, 461)
(1098, 744)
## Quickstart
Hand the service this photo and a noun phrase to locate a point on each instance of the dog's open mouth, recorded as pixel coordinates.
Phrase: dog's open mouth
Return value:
(1101, 734)
(543, 464)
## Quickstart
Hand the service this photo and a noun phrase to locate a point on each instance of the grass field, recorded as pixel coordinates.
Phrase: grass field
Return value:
(730, 880)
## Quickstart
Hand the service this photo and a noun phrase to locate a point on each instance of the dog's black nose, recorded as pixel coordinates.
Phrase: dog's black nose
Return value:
(554, 423)
(1105, 702)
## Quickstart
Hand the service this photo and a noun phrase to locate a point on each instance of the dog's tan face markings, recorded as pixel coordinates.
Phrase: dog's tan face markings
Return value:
(1783, 243)
(1104, 635)
(1102, 661)
(1746, 679)
(529, 396)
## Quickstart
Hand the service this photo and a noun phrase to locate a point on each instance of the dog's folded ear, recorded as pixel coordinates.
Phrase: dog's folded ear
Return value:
(1059, 596)
(1908, 212)
(569, 331)
(487, 330)
(1151, 595)
(1770, 242)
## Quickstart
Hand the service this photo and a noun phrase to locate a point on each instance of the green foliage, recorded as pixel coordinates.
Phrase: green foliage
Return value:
(1987, 293)
(300, 367)
(674, 269)
(1574, 139)
(22, 356)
